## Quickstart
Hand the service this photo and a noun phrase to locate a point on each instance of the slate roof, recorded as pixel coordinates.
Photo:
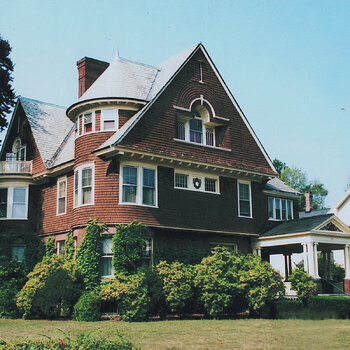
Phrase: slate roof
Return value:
(303, 214)
(298, 225)
(276, 184)
(49, 125)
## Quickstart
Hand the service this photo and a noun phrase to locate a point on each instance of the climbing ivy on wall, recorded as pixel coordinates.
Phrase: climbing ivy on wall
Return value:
(69, 247)
(50, 248)
(88, 256)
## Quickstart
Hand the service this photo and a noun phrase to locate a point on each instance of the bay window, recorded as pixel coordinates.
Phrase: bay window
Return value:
(139, 185)
(244, 199)
(84, 185)
(280, 209)
(13, 202)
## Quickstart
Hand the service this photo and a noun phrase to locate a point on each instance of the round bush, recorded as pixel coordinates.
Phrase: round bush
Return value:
(88, 307)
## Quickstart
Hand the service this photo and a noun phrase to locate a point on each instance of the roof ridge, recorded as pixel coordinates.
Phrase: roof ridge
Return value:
(41, 102)
(138, 63)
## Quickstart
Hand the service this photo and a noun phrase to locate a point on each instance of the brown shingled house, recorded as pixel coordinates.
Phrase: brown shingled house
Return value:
(167, 146)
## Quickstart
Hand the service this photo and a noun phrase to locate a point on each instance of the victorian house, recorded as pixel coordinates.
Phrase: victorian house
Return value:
(167, 146)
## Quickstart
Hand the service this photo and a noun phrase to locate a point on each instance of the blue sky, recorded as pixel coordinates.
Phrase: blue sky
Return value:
(287, 63)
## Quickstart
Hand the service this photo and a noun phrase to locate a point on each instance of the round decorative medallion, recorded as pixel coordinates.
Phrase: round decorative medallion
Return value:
(197, 182)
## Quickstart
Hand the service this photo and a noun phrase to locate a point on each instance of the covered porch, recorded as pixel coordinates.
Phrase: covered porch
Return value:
(309, 237)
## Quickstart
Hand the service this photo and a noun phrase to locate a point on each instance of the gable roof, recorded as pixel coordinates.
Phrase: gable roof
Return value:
(298, 225)
(49, 125)
(168, 71)
(345, 198)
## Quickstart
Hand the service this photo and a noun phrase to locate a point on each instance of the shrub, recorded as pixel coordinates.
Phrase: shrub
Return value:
(83, 341)
(50, 248)
(338, 307)
(89, 255)
(218, 282)
(12, 279)
(128, 247)
(88, 307)
(261, 282)
(177, 284)
(51, 288)
(131, 295)
(303, 284)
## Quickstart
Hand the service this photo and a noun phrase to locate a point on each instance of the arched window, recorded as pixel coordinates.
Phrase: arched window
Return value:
(18, 151)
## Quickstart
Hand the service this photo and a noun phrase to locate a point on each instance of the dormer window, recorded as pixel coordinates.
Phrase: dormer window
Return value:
(280, 209)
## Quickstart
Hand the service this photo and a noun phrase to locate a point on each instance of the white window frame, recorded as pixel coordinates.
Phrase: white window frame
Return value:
(229, 246)
(250, 199)
(274, 218)
(13, 256)
(105, 118)
(139, 186)
(92, 120)
(79, 170)
(107, 255)
(60, 180)
(10, 190)
(202, 176)
(58, 247)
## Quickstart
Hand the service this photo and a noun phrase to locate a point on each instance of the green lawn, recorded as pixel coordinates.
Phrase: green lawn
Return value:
(199, 334)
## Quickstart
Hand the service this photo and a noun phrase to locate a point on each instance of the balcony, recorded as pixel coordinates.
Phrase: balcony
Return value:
(16, 167)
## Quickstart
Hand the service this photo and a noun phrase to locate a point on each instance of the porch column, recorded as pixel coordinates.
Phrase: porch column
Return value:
(285, 267)
(257, 251)
(316, 261)
(311, 259)
(330, 275)
(347, 261)
(305, 257)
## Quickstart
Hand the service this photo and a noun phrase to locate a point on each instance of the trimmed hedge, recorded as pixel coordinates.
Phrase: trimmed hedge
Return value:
(317, 308)
(88, 307)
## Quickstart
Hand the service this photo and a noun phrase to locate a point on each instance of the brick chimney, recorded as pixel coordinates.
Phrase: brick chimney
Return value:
(308, 202)
(89, 70)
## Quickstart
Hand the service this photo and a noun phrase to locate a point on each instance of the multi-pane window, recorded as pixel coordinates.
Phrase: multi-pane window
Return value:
(181, 180)
(61, 195)
(107, 258)
(3, 202)
(88, 122)
(210, 185)
(181, 131)
(109, 119)
(84, 185)
(196, 130)
(17, 252)
(280, 209)
(244, 199)
(61, 247)
(129, 184)
(209, 135)
(139, 185)
(13, 202)
(148, 186)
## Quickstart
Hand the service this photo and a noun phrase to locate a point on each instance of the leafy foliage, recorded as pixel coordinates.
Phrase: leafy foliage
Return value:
(228, 283)
(12, 279)
(51, 288)
(177, 284)
(297, 179)
(88, 307)
(89, 255)
(50, 247)
(7, 95)
(303, 283)
(128, 247)
(82, 342)
(338, 272)
(69, 247)
(131, 294)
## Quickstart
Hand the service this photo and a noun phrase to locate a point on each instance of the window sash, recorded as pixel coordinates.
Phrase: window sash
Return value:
(109, 119)
(148, 186)
(280, 209)
(3, 202)
(61, 196)
(14, 203)
(107, 258)
(209, 136)
(84, 185)
(210, 185)
(17, 252)
(88, 123)
(181, 133)
(181, 180)
(196, 130)
(244, 195)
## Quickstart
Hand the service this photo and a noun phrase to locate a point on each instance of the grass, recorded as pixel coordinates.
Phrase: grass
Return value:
(199, 334)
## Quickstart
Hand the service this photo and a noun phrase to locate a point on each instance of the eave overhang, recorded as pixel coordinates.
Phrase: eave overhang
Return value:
(169, 161)
(81, 106)
(283, 194)
(53, 172)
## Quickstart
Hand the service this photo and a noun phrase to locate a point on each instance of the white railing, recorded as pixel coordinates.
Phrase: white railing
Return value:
(16, 167)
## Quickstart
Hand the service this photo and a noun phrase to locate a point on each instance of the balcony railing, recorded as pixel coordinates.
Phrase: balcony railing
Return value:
(16, 167)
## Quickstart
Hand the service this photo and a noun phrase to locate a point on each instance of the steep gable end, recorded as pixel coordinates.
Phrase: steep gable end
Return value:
(197, 83)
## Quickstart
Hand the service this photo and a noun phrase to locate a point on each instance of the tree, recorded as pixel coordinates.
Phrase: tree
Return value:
(7, 94)
(297, 179)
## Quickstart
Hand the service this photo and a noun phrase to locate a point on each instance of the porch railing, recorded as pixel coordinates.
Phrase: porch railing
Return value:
(16, 167)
